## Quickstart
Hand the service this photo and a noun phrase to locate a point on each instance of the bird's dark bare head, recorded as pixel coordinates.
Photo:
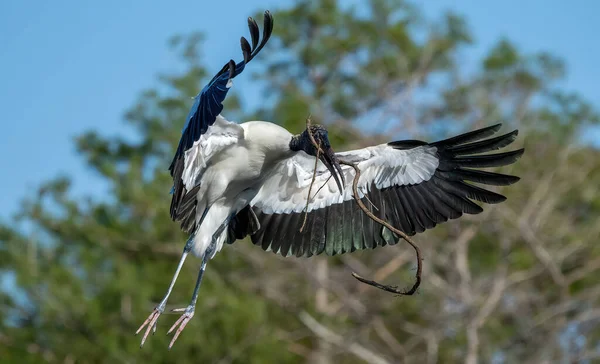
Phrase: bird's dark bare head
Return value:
(304, 142)
(326, 155)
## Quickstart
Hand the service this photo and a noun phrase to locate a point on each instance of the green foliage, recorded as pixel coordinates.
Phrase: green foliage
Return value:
(88, 272)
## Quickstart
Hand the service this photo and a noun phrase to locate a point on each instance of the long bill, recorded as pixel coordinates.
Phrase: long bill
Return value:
(330, 161)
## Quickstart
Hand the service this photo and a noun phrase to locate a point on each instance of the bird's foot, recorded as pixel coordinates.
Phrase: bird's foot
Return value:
(150, 322)
(188, 313)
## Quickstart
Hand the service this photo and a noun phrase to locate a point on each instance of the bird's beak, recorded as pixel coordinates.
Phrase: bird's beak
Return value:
(331, 162)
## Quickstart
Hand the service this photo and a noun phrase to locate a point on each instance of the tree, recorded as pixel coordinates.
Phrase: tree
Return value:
(517, 283)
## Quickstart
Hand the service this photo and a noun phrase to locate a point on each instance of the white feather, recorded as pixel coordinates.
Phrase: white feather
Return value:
(286, 188)
(221, 134)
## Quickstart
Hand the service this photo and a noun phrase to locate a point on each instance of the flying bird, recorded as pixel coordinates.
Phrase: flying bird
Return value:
(252, 179)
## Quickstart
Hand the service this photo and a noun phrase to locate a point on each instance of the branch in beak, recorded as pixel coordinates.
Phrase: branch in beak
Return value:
(330, 161)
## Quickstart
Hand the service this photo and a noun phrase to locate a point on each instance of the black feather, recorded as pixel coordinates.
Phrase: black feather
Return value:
(246, 50)
(479, 194)
(264, 221)
(270, 231)
(346, 242)
(275, 226)
(403, 221)
(292, 236)
(254, 32)
(334, 226)
(483, 146)
(459, 196)
(357, 228)
(267, 30)
(317, 232)
(489, 160)
(406, 144)
(488, 178)
(323, 233)
(454, 203)
(420, 219)
(430, 205)
(468, 137)
(188, 224)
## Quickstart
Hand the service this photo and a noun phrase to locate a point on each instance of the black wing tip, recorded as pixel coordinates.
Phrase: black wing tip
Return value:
(513, 180)
(511, 135)
(474, 211)
(254, 33)
(246, 49)
(486, 130)
(516, 154)
(520, 152)
(507, 180)
(496, 127)
(507, 157)
(481, 161)
(461, 159)
(471, 136)
(251, 52)
(499, 198)
(268, 18)
(461, 140)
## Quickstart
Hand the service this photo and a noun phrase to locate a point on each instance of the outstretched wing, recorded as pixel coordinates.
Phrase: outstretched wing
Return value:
(206, 131)
(413, 185)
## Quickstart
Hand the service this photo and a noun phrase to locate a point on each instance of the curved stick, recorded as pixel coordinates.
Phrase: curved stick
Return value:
(391, 289)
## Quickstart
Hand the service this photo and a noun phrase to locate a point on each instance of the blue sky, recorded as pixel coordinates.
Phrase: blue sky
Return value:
(71, 66)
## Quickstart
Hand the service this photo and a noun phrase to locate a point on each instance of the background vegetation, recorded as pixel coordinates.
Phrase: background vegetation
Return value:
(518, 283)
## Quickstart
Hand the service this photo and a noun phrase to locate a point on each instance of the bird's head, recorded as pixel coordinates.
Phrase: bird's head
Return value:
(326, 154)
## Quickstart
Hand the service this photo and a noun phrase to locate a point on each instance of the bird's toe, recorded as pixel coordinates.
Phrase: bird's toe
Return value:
(180, 324)
(150, 323)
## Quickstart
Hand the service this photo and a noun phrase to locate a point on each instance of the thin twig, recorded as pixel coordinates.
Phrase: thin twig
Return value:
(369, 201)
(319, 151)
(311, 183)
(323, 185)
(310, 136)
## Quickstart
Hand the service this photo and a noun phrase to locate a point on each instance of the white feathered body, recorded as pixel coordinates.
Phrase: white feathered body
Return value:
(230, 163)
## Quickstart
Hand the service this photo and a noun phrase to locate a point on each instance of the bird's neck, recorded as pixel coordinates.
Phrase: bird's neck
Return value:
(297, 143)
(303, 142)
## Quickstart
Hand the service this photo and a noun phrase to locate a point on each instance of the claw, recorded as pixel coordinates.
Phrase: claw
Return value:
(188, 313)
(150, 323)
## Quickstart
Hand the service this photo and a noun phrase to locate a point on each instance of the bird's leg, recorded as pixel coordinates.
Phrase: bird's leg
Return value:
(152, 320)
(188, 312)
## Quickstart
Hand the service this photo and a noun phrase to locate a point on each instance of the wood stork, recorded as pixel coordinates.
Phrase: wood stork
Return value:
(233, 180)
